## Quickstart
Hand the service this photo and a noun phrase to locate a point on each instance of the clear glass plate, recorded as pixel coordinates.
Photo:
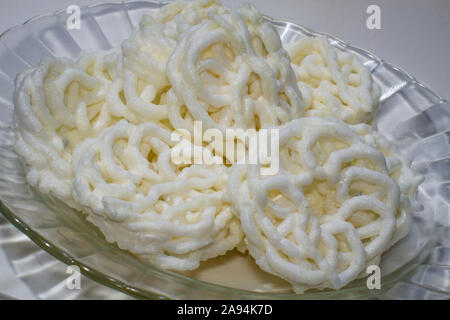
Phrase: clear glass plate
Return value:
(411, 116)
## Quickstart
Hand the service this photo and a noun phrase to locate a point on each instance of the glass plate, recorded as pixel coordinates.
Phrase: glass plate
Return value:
(411, 116)
(44, 276)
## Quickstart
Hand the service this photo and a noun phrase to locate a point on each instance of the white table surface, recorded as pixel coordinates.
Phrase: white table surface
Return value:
(414, 35)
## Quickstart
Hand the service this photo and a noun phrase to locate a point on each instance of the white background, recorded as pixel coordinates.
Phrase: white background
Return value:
(414, 35)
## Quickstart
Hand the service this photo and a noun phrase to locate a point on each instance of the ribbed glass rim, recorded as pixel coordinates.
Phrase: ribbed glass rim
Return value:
(233, 293)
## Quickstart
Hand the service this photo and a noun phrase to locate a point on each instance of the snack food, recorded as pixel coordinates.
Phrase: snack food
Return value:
(332, 209)
(333, 83)
(97, 134)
